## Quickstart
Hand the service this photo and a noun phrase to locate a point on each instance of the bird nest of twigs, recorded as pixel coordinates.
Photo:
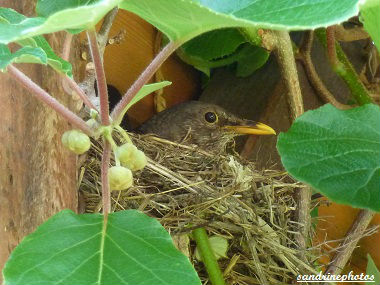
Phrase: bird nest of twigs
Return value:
(185, 187)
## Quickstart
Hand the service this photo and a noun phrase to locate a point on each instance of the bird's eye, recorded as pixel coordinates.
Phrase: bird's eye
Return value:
(211, 117)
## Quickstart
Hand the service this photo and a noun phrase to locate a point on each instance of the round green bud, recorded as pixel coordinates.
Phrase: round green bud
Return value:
(76, 141)
(120, 178)
(126, 152)
(138, 162)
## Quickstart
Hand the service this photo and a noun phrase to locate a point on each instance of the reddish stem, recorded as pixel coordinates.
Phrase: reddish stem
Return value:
(100, 76)
(106, 195)
(42, 95)
(144, 77)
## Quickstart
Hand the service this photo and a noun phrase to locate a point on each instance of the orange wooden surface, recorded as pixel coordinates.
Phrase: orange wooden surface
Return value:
(125, 61)
(335, 221)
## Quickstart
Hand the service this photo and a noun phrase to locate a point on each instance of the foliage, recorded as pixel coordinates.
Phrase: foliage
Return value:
(129, 247)
(337, 152)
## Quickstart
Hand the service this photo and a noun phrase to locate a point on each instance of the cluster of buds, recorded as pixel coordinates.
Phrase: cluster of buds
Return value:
(128, 158)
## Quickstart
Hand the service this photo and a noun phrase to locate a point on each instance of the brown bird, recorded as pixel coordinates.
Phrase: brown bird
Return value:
(206, 125)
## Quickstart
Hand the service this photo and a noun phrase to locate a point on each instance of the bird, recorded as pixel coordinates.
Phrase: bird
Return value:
(208, 126)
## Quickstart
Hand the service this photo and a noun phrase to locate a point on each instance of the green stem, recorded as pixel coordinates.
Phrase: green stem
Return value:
(346, 71)
(208, 257)
(107, 134)
(123, 134)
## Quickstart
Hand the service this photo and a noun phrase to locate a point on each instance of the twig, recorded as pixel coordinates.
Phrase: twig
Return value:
(348, 245)
(100, 76)
(42, 95)
(106, 195)
(330, 43)
(346, 71)
(143, 78)
(105, 29)
(285, 57)
(208, 256)
(304, 56)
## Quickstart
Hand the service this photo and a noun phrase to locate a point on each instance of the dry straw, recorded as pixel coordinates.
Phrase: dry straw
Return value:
(184, 187)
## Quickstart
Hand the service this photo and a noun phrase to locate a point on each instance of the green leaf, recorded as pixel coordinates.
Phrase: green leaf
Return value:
(214, 44)
(144, 91)
(131, 248)
(12, 17)
(185, 19)
(372, 270)
(58, 17)
(23, 55)
(337, 152)
(369, 15)
(251, 60)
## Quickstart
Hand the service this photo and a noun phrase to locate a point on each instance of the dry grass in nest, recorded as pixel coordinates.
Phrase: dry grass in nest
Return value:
(184, 187)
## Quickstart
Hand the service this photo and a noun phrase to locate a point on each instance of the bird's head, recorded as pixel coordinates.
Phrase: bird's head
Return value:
(206, 125)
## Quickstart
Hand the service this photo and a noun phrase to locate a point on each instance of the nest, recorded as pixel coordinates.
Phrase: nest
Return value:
(184, 188)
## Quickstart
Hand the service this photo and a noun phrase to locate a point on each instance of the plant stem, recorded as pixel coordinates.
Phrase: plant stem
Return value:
(143, 78)
(331, 50)
(284, 52)
(348, 245)
(106, 194)
(42, 95)
(304, 56)
(74, 86)
(346, 71)
(208, 256)
(100, 77)
(285, 57)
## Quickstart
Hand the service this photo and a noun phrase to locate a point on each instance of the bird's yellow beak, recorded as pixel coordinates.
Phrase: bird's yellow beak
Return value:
(254, 129)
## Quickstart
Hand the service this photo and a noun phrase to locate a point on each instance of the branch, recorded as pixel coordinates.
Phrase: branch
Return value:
(331, 51)
(45, 97)
(345, 70)
(304, 56)
(284, 52)
(285, 58)
(143, 78)
(349, 243)
(100, 77)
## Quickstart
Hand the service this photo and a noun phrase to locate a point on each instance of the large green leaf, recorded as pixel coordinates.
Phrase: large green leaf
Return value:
(131, 248)
(369, 15)
(60, 15)
(337, 152)
(10, 16)
(184, 19)
(23, 55)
